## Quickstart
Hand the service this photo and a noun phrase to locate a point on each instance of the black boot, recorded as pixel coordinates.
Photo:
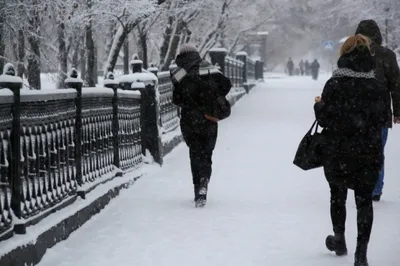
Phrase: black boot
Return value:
(337, 244)
(202, 193)
(196, 191)
(360, 257)
(376, 197)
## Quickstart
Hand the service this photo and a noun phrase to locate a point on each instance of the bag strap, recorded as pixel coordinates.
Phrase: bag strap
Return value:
(316, 125)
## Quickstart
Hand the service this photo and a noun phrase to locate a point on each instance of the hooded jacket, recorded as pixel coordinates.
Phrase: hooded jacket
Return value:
(386, 67)
(196, 85)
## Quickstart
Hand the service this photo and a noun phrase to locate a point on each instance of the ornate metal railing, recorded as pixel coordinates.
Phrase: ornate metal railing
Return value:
(47, 149)
(130, 147)
(169, 112)
(97, 138)
(6, 118)
(233, 70)
(47, 122)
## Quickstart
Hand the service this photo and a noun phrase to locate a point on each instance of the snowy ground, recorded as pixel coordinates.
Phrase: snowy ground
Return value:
(262, 210)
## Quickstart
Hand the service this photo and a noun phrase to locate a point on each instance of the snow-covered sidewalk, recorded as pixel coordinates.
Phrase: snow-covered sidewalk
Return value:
(261, 211)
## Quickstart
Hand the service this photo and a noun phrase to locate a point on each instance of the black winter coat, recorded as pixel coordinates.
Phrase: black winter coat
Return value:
(353, 114)
(386, 67)
(196, 92)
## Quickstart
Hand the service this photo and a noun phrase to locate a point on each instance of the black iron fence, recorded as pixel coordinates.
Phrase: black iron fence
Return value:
(58, 145)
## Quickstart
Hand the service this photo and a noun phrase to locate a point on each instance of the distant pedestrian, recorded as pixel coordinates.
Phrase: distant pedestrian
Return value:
(301, 66)
(307, 68)
(200, 90)
(290, 66)
(315, 69)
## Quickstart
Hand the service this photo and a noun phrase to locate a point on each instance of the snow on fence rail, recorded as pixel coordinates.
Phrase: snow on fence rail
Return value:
(56, 146)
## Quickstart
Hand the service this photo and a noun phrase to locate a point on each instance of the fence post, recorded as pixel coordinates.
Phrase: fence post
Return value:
(149, 108)
(259, 70)
(153, 69)
(111, 83)
(218, 56)
(136, 64)
(14, 83)
(151, 138)
(242, 56)
(261, 66)
(72, 81)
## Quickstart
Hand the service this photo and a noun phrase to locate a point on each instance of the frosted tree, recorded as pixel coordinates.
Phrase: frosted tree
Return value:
(128, 15)
(179, 15)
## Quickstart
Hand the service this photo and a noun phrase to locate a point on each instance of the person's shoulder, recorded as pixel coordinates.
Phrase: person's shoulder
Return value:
(207, 68)
(384, 50)
(333, 81)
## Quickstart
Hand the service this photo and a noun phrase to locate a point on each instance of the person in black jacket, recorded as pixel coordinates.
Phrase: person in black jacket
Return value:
(387, 71)
(290, 66)
(315, 69)
(352, 111)
(197, 84)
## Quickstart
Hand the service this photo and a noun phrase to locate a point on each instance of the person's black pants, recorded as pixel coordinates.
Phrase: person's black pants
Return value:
(363, 197)
(201, 141)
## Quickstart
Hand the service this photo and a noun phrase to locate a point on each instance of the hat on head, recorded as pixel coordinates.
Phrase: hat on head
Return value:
(187, 47)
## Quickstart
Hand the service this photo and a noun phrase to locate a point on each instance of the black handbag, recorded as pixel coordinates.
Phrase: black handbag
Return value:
(221, 106)
(309, 153)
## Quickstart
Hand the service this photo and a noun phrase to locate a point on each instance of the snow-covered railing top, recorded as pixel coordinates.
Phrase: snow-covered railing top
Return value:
(242, 53)
(97, 92)
(138, 85)
(128, 94)
(6, 96)
(163, 74)
(146, 78)
(219, 50)
(251, 61)
(234, 61)
(47, 95)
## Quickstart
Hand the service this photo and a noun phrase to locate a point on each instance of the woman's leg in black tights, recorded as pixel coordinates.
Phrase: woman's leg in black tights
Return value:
(338, 208)
(365, 212)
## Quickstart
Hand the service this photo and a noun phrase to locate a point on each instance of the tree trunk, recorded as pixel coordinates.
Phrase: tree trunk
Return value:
(75, 54)
(126, 56)
(167, 39)
(143, 45)
(174, 45)
(188, 35)
(95, 68)
(34, 56)
(118, 42)
(62, 55)
(112, 31)
(89, 80)
(2, 35)
(83, 60)
(21, 53)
